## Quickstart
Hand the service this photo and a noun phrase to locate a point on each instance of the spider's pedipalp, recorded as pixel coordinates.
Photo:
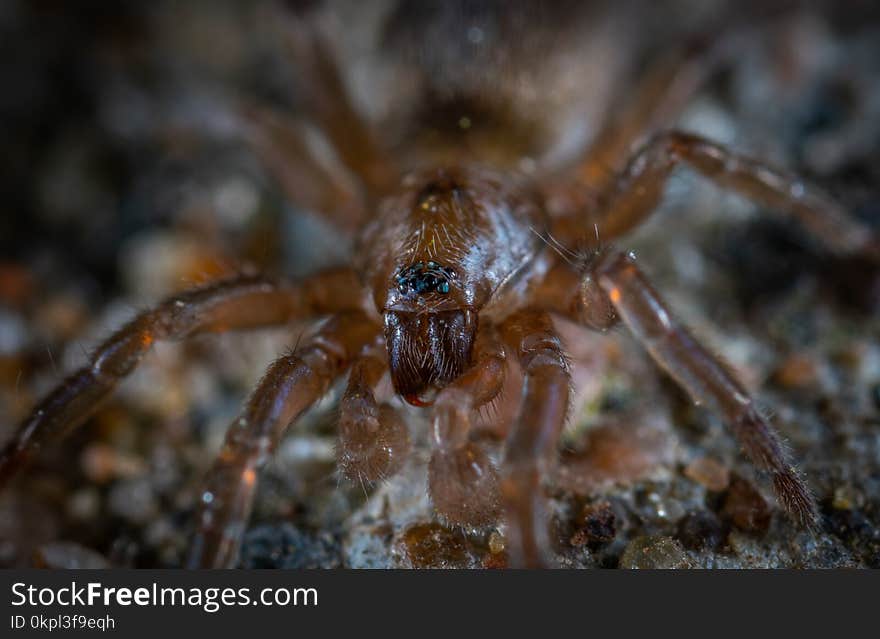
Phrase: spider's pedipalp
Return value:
(462, 481)
(292, 384)
(373, 439)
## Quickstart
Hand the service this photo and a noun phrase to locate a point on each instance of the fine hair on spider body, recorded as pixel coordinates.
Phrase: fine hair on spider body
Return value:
(459, 269)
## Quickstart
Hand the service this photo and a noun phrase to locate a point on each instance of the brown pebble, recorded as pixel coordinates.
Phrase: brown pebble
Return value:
(102, 463)
(700, 530)
(496, 542)
(709, 473)
(595, 525)
(654, 553)
(745, 507)
(852, 356)
(797, 371)
(16, 284)
(435, 546)
(496, 561)
(62, 316)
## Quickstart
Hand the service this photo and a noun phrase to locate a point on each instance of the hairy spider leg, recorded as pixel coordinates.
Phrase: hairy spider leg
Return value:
(280, 144)
(639, 188)
(373, 439)
(242, 303)
(462, 481)
(702, 376)
(291, 384)
(331, 107)
(531, 446)
(660, 95)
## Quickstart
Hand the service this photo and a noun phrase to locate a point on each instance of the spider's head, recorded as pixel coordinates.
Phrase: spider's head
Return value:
(429, 334)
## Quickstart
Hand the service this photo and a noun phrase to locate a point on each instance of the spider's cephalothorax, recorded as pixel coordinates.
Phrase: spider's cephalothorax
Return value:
(436, 262)
(451, 281)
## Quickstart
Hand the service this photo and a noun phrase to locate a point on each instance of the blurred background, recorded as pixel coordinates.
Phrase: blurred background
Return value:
(124, 178)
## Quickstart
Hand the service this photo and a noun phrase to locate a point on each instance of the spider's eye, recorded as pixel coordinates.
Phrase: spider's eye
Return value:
(424, 277)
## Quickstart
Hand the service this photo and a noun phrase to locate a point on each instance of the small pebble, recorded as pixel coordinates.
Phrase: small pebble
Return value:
(495, 561)
(16, 284)
(852, 356)
(84, 504)
(797, 371)
(596, 524)
(62, 316)
(859, 533)
(745, 507)
(13, 333)
(654, 553)
(133, 500)
(161, 531)
(496, 542)
(700, 530)
(68, 555)
(101, 463)
(709, 473)
(845, 498)
(286, 546)
(434, 546)
(658, 503)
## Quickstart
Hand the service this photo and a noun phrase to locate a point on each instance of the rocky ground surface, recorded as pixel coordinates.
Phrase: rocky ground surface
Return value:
(112, 201)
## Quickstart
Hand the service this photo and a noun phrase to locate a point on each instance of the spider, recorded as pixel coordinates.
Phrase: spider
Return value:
(459, 269)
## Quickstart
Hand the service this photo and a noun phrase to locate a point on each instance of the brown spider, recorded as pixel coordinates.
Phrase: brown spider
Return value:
(455, 274)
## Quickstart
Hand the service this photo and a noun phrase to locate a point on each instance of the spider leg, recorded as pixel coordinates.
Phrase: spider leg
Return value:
(462, 481)
(291, 384)
(531, 445)
(659, 96)
(373, 440)
(331, 107)
(242, 303)
(703, 376)
(639, 188)
(280, 144)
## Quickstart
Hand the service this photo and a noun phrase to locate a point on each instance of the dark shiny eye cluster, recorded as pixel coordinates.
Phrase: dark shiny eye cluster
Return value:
(424, 277)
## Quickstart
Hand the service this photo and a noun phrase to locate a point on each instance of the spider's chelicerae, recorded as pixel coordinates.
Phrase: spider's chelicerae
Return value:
(458, 271)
